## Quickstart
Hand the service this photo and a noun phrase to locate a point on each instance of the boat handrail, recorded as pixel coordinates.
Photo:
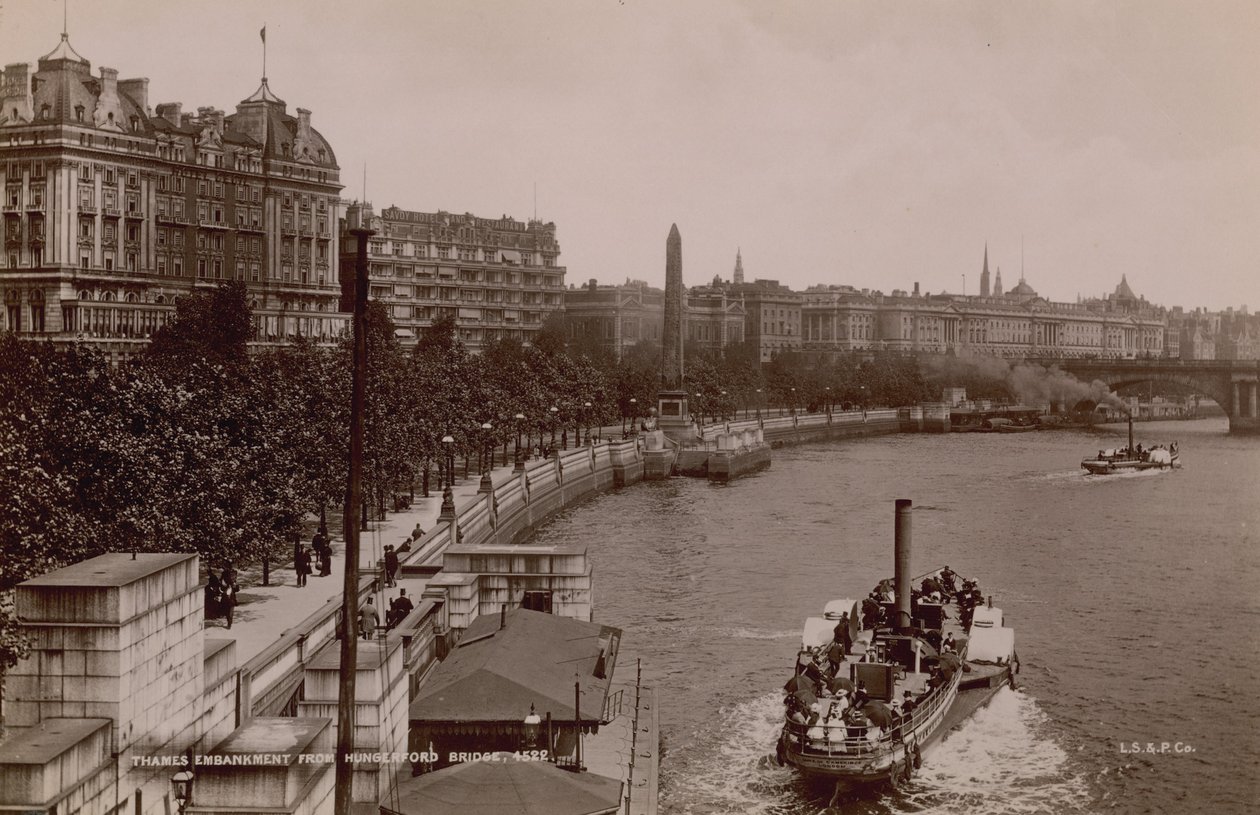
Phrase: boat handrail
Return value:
(886, 741)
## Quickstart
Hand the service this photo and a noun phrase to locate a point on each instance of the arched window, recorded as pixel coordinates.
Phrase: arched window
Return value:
(108, 297)
(131, 297)
(85, 295)
(160, 299)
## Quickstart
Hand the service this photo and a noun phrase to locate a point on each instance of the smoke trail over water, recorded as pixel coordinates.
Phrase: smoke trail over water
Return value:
(1032, 384)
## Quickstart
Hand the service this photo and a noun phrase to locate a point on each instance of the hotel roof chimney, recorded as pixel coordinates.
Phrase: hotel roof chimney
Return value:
(503, 616)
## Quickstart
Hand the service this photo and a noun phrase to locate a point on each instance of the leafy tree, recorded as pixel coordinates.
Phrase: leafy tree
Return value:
(214, 325)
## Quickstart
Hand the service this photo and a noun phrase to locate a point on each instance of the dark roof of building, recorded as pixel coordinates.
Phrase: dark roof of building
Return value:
(495, 674)
(508, 788)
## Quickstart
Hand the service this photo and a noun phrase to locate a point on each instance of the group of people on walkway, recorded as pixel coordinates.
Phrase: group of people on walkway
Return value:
(221, 594)
(370, 617)
(319, 553)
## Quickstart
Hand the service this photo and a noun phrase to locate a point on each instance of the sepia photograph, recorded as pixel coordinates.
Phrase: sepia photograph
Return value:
(629, 407)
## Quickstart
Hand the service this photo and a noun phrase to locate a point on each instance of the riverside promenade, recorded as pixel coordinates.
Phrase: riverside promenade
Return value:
(270, 619)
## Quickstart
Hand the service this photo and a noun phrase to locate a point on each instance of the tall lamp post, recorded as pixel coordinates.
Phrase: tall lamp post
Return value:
(586, 420)
(827, 399)
(555, 415)
(723, 405)
(759, 404)
(448, 447)
(793, 407)
(487, 458)
(520, 423)
(634, 416)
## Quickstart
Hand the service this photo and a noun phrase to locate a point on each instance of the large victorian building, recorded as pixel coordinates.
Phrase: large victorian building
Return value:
(1018, 323)
(498, 277)
(113, 210)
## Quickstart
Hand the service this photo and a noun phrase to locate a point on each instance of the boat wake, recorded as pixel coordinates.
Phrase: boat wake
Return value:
(1000, 760)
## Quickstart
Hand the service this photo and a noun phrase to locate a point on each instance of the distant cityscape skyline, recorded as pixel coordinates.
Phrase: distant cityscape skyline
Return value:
(921, 134)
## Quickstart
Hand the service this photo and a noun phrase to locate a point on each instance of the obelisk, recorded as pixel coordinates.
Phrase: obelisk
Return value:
(671, 336)
(673, 416)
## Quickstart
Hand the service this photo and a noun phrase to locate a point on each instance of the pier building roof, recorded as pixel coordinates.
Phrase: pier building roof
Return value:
(505, 663)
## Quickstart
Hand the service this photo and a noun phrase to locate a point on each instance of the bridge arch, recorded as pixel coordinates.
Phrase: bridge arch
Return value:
(1232, 383)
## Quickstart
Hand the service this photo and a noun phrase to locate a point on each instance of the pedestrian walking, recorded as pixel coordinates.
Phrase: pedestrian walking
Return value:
(302, 565)
(391, 565)
(398, 609)
(369, 619)
(325, 559)
(229, 596)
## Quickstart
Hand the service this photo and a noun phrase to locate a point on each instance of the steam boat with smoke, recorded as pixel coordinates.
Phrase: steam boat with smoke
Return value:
(875, 683)
(1132, 458)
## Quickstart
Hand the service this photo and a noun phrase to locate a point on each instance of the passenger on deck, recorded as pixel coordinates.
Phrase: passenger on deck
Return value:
(907, 703)
(860, 696)
(947, 580)
(948, 644)
(835, 656)
(842, 634)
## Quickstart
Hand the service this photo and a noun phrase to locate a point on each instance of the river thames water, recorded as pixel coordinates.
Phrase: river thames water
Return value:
(1135, 598)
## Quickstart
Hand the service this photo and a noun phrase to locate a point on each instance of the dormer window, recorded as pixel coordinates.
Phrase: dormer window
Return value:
(78, 113)
(45, 111)
(135, 122)
(284, 149)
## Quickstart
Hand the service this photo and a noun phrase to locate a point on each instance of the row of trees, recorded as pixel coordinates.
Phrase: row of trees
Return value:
(200, 446)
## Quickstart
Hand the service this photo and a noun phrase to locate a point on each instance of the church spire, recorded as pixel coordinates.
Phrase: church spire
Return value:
(739, 267)
(997, 285)
(984, 273)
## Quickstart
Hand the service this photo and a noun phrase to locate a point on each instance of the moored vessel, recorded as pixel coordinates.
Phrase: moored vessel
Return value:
(1133, 458)
(876, 683)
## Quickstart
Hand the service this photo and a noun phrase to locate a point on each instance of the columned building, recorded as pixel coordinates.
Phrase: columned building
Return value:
(112, 211)
(615, 318)
(498, 277)
(840, 319)
(713, 319)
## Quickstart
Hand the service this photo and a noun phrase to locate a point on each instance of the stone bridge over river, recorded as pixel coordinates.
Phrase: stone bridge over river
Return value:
(1232, 383)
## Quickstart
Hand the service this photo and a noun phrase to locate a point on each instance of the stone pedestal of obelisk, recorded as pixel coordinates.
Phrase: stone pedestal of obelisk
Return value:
(671, 402)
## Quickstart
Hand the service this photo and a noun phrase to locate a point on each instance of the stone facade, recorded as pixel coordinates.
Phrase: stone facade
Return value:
(498, 277)
(112, 210)
(121, 682)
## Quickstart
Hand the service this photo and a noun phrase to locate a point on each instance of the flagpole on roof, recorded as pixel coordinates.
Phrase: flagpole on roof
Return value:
(263, 34)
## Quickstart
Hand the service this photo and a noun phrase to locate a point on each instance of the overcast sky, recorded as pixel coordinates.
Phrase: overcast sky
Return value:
(873, 144)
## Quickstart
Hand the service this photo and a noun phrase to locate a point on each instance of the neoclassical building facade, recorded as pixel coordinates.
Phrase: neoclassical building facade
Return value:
(1018, 323)
(112, 209)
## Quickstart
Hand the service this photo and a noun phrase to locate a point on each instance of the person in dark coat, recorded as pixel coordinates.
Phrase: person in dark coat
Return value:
(325, 559)
(302, 565)
(391, 565)
(399, 609)
(230, 590)
(214, 596)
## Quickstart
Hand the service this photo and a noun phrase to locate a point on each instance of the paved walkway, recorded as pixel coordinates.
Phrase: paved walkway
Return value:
(264, 613)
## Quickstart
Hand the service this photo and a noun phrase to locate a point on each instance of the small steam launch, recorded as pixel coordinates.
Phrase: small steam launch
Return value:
(1132, 458)
(879, 679)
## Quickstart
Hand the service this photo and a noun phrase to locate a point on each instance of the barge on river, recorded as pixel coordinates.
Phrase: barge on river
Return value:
(871, 692)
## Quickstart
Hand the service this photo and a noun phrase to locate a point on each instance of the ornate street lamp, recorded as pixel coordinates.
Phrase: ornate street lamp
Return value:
(520, 423)
(793, 408)
(828, 400)
(759, 404)
(634, 415)
(182, 783)
(586, 420)
(448, 446)
(555, 415)
(532, 722)
(723, 405)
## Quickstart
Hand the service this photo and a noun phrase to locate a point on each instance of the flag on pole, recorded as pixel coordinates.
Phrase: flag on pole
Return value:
(263, 34)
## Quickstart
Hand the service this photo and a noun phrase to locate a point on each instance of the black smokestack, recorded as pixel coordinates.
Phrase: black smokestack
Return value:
(902, 556)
